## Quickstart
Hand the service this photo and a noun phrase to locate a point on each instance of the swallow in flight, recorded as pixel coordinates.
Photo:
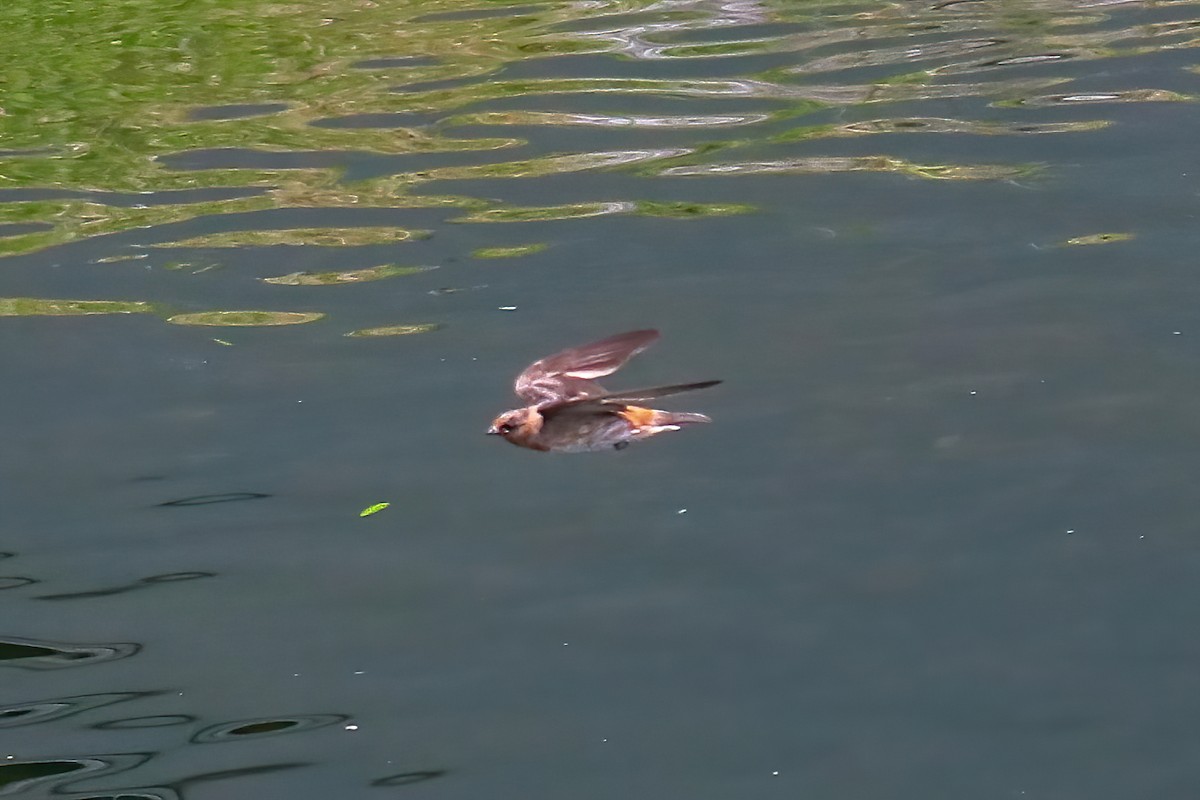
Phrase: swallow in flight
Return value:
(569, 412)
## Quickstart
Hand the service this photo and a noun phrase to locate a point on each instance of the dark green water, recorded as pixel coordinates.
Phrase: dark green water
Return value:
(940, 542)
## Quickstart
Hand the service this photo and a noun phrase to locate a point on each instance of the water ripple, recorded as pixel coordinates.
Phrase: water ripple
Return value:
(143, 583)
(42, 711)
(52, 776)
(256, 728)
(41, 654)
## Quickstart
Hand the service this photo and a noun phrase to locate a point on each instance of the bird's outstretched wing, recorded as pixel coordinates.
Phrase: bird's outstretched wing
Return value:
(570, 375)
(622, 399)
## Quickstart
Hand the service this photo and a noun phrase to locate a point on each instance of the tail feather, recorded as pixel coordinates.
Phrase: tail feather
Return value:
(680, 418)
(644, 395)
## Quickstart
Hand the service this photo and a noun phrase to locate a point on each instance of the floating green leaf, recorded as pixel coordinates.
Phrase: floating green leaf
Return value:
(246, 318)
(375, 509)
(396, 330)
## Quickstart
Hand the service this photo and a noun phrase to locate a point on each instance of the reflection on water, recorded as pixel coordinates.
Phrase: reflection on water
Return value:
(41, 654)
(233, 731)
(49, 710)
(143, 583)
(405, 778)
(281, 166)
(278, 115)
(14, 582)
(53, 776)
(157, 721)
(210, 499)
(141, 793)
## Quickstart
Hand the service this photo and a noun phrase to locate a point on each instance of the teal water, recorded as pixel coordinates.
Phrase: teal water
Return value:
(938, 542)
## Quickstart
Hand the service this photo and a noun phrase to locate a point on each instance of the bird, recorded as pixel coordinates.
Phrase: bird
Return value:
(568, 412)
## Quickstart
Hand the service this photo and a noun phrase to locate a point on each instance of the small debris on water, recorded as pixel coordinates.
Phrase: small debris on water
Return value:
(508, 308)
(681, 511)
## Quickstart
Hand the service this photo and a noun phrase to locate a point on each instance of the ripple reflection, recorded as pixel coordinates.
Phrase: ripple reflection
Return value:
(406, 778)
(156, 721)
(210, 499)
(15, 582)
(41, 654)
(52, 775)
(253, 728)
(35, 713)
(142, 583)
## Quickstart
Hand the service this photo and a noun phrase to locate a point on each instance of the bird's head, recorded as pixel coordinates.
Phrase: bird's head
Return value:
(516, 425)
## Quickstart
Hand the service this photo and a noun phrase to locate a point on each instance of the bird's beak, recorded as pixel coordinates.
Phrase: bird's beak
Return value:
(493, 431)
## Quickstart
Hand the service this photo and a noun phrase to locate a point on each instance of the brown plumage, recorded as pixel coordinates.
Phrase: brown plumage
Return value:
(569, 412)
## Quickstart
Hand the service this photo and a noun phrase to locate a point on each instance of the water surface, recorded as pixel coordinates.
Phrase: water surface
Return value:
(936, 545)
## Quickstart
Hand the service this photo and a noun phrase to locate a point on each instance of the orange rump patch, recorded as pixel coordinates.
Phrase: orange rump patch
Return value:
(639, 417)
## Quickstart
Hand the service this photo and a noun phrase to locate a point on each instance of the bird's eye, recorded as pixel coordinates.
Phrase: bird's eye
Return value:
(505, 428)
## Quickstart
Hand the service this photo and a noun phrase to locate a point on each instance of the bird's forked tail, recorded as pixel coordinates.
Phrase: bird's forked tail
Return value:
(679, 418)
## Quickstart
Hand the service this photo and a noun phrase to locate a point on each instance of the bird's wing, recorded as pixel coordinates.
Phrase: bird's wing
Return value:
(570, 375)
(616, 400)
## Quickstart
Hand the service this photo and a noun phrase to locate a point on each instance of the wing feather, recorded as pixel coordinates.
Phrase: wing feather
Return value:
(621, 399)
(570, 374)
